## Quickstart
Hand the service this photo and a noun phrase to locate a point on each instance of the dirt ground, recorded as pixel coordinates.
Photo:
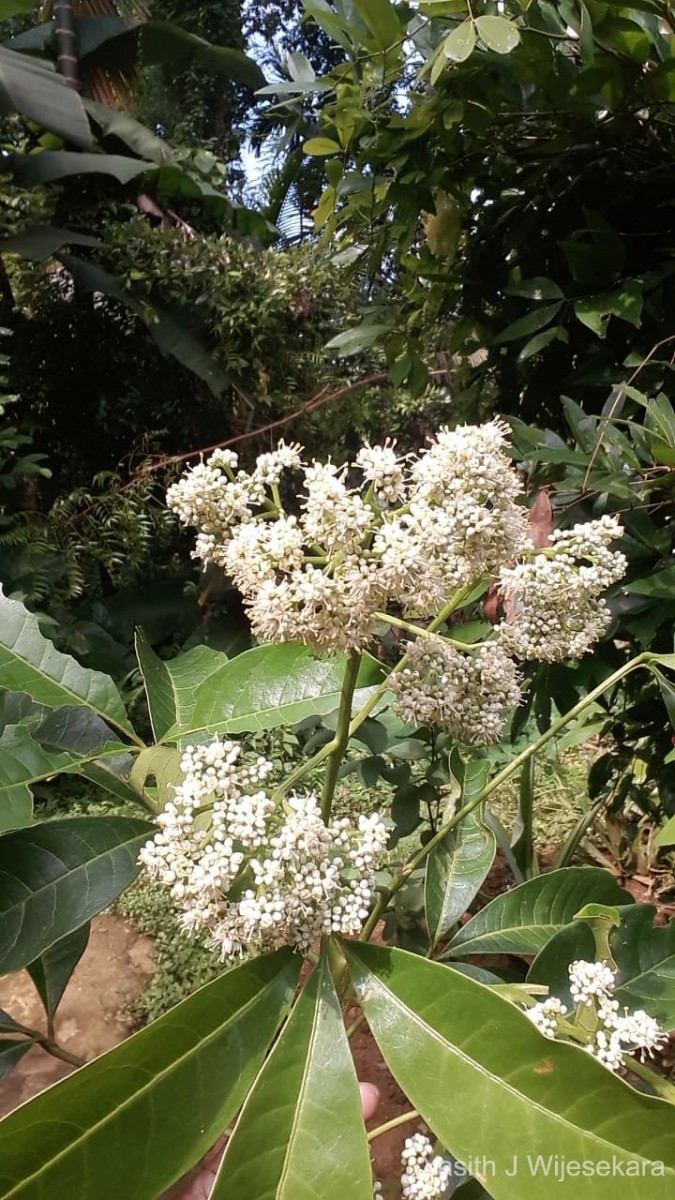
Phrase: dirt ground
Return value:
(93, 1017)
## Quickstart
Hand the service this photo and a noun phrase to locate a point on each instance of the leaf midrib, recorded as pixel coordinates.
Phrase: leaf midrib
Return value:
(176, 1062)
(504, 1084)
(70, 872)
(57, 683)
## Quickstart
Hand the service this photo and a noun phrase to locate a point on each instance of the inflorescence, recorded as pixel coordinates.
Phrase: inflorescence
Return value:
(253, 874)
(402, 535)
(616, 1035)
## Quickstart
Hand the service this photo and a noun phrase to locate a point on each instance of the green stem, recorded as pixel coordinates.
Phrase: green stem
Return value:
(403, 1119)
(321, 755)
(663, 1087)
(338, 745)
(424, 631)
(500, 778)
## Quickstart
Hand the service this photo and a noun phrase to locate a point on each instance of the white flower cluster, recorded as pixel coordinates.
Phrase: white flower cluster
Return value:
(426, 1176)
(424, 528)
(545, 1015)
(253, 874)
(556, 593)
(465, 693)
(617, 1035)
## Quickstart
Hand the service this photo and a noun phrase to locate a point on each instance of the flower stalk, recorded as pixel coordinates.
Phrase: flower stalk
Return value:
(501, 777)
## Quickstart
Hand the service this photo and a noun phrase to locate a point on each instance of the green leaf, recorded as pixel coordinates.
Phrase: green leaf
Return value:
(7, 1023)
(271, 686)
(660, 586)
(353, 341)
(140, 140)
(305, 1110)
(475, 1067)
(460, 44)
(80, 732)
(521, 921)
(33, 89)
(645, 956)
(30, 663)
(23, 762)
(57, 875)
(321, 146)
(32, 169)
(457, 867)
(528, 324)
(382, 21)
(52, 971)
(541, 340)
(537, 288)
(161, 763)
(498, 34)
(12, 1051)
(666, 836)
(170, 685)
(42, 241)
(166, 44)
(134, 1120)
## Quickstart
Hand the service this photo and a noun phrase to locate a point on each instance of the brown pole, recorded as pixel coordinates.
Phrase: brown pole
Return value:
(65, 41)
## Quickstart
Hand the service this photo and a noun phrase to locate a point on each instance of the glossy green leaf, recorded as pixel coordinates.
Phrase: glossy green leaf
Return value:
(23, 762)
(498, 34)
(271, 686)
(160, 765)
(493, 1089)
(660, 586)
(30, 663)
(301, 1133)
(321, 146)
(382, 21)
(82, 733)
(456, 870)
(135, 1119)
(55, 876)
(521, 921)
(52, 971)
(42, 241)
(171, 684)
(541, 340)
(529, 324)
(32, 88)
(7, 1023)
(32, 169)
(460, 44)
(12, 1051)
(645, 956)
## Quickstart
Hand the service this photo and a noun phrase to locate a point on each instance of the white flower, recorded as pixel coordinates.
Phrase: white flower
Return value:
(466, 693)
(555, 593)
(252, 874)
(590, 981)
(544, 1014)
(426, 1176)
(425, 527)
